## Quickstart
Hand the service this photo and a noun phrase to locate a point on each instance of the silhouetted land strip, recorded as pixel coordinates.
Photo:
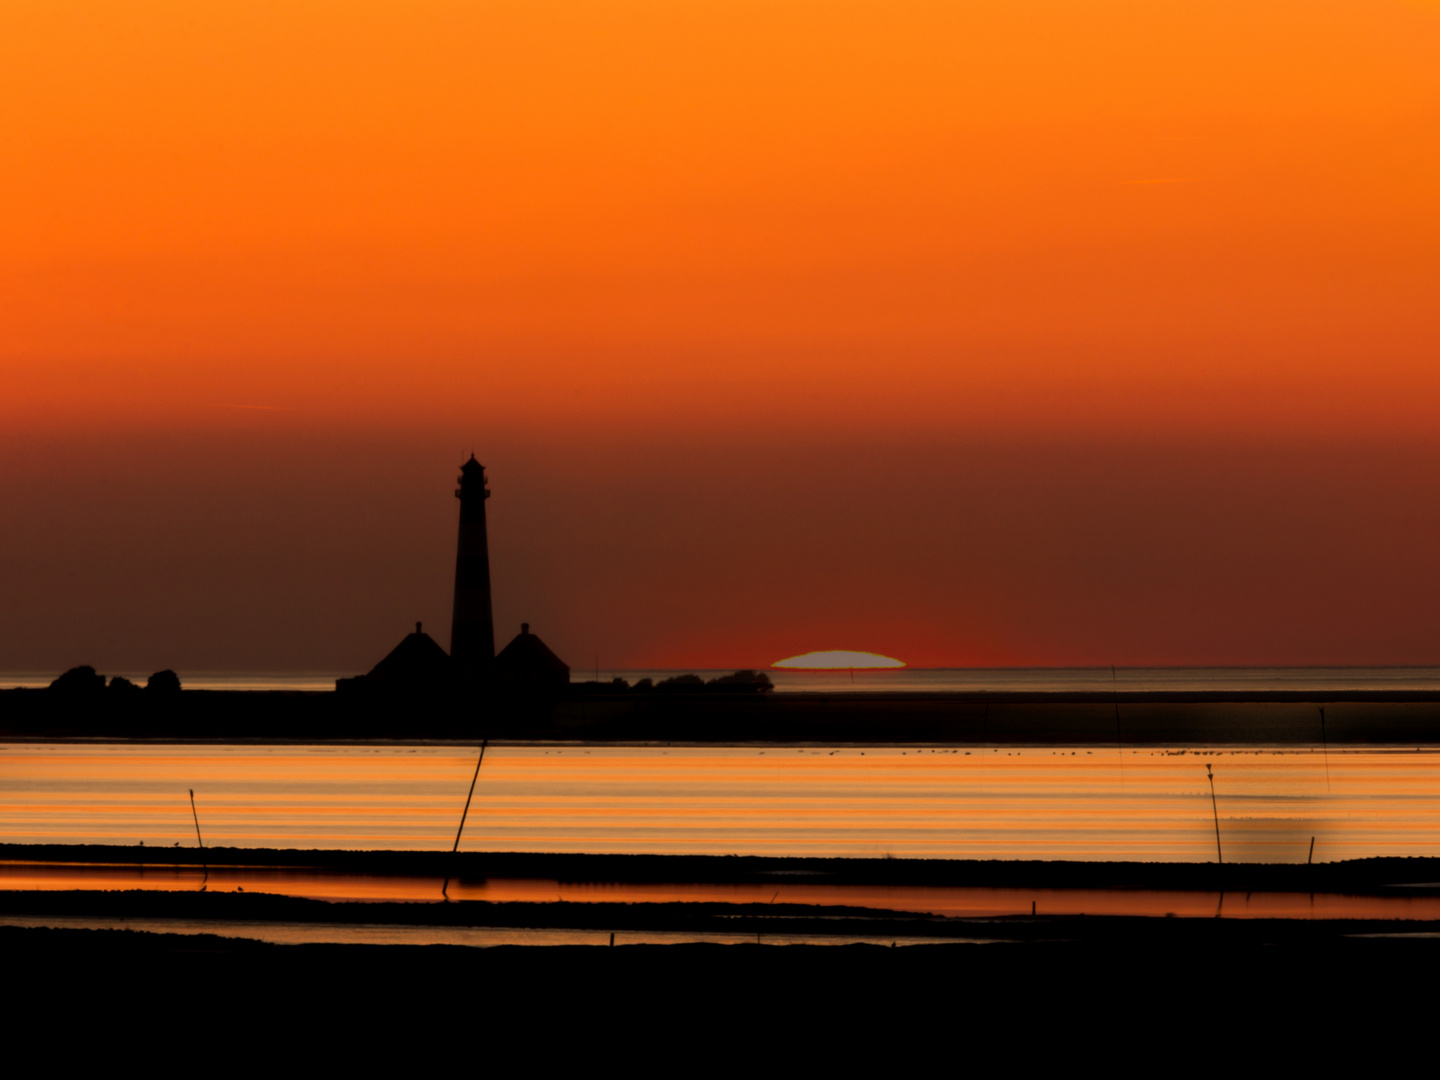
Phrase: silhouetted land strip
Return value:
(689, 917)
(1191, 990)
(1060, 719)
(1379, 876)
(779, 919)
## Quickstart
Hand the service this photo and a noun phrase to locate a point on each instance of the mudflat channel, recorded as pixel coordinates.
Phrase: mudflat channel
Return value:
(1370, 898)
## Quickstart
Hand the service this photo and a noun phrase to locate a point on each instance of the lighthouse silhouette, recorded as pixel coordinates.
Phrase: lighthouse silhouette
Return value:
(472, 630)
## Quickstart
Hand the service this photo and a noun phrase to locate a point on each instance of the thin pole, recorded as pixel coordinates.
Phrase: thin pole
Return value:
(1325, 746)
(201, 842)
(445, 889)
(1309, 858)
(1215, 809)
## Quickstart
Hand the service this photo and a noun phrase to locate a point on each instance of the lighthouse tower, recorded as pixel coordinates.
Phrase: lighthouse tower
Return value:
(472, 632)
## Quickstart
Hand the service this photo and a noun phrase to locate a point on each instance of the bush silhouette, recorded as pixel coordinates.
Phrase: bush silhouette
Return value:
(742, 682)
(163, 682)
(79, 680)
(121, 684)
(681, 684)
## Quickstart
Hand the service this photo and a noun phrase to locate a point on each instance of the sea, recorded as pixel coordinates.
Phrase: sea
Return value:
(1289, 804)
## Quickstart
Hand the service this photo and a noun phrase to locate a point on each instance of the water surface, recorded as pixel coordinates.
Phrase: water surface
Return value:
(1032, 803)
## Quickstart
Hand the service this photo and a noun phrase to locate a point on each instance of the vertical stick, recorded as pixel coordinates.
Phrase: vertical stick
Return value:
(1325, 746)
(1215, 809)
(196, 816)
(1311, 856)
(445, 889)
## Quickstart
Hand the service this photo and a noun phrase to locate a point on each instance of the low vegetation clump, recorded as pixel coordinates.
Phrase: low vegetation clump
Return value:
(86, 680)
(739, 682)
(745, 682)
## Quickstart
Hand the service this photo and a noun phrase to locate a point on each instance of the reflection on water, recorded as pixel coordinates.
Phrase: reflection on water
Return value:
(916, 802)
(949, 901)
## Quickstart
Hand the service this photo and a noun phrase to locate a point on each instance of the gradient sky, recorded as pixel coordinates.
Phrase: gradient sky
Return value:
(1016, 332)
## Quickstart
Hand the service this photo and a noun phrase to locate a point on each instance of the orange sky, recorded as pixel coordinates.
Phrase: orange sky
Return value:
(675, 264)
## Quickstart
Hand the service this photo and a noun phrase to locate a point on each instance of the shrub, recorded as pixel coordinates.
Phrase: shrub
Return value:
(79, 680)
(745, 682)
(163, 682)
(681, 684)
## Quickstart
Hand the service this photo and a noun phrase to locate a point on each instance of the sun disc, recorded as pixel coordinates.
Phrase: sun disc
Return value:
(838, 659)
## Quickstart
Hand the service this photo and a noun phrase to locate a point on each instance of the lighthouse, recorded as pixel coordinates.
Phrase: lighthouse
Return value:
(472, 631)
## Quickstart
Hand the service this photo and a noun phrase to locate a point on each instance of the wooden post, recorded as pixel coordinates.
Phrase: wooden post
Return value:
(1311, 856)
(198, 840)
(1215, 809)
(445, 889)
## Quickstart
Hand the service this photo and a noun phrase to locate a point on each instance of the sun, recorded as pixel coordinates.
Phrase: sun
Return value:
(834, 659)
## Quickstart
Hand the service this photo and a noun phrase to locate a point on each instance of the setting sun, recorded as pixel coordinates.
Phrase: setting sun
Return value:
(838, 659)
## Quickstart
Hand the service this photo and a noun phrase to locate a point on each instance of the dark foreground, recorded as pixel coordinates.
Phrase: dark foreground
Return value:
(1112, 995)
(1119, 993)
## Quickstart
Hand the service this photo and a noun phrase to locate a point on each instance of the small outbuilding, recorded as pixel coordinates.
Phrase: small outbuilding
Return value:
(527, 665)
(417, 665)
